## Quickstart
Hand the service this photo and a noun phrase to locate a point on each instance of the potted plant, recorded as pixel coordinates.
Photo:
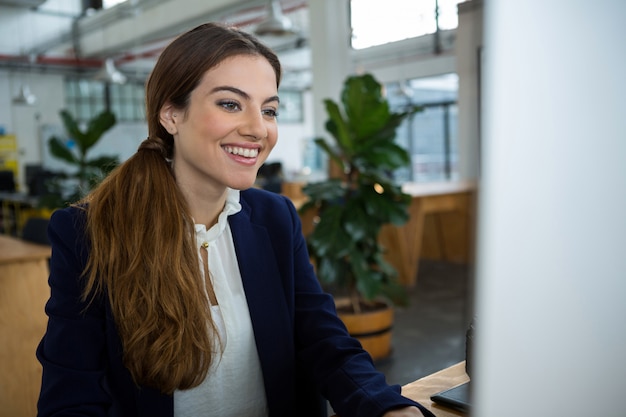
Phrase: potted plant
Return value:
(353, 204)
(74, 151)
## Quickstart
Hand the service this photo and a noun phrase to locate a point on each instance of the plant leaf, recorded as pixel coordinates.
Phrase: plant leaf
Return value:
(59, 150)
(331, 190)
(330, 152)
(96, 128)
(357, 222)
(329, 237)
(105, 163)
(366, 109)
(344, 244)
(386, 155)
(71, 125)
(337, 125)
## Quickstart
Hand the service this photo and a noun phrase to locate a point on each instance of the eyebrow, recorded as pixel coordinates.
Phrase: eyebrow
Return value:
(242, 93)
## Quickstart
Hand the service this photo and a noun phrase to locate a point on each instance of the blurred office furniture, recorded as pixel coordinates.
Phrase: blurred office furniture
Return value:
(422, 389)
(15, 209)
(7, 181)
(35, 176)
(18, 207)
(35, 230)
(448, 208)
(270, 177)
(441, 219)
(293, 190)
(8, 163)
(23, 293)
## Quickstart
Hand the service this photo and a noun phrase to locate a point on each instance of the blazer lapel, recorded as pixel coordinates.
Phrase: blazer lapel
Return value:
(271, 319)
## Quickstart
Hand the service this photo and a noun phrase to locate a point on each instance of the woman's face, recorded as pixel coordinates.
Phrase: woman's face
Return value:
(229, 128)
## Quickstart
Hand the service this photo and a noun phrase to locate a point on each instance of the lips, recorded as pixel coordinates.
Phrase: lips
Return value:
(245, 152)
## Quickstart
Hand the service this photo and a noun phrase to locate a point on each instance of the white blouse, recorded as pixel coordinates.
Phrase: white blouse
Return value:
(234, 384)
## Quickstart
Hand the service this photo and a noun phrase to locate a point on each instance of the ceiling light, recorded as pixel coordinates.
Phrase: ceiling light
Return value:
(276, 24)
(109, 73)
(25, 96)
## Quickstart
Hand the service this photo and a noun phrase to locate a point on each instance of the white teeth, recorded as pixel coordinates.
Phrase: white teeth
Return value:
(245, 152)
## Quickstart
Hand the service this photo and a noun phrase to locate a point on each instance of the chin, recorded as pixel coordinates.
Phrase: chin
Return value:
(242, 180)
(241, 185)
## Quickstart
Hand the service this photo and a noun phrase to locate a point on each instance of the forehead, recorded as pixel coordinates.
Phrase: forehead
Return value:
(251, 71)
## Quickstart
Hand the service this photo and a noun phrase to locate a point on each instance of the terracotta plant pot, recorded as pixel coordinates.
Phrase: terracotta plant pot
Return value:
(372, 327)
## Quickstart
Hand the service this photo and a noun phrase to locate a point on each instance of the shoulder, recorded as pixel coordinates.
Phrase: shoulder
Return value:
(67, 228)
(257, 194)
(257, 200)
(68, 219)
(268, 208)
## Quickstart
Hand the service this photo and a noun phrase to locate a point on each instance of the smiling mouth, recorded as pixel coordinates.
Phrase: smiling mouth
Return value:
(245, 152)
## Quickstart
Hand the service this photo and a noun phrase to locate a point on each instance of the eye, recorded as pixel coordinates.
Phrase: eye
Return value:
(229, 105)
(271, 113)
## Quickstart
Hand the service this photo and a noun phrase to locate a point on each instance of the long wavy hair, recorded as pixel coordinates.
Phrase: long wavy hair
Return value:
(143, 254)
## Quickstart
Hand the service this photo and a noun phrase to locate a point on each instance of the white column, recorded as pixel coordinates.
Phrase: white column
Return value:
(468, 43)
(330, 53)
(551, 275)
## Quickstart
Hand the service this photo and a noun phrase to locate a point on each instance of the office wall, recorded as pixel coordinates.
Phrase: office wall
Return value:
(412, 58)
(292, 141)
(33, 125)
(551, 278)
(25, 121)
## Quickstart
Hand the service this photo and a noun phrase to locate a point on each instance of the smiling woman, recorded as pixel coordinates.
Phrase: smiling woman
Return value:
(230, 120)
(177, 289)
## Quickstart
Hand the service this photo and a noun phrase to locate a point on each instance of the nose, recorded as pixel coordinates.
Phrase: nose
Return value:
(254, 126)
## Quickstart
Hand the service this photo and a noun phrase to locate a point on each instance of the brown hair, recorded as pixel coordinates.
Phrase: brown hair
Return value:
(143, 253)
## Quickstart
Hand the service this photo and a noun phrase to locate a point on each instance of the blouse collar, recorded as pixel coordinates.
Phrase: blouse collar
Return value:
(232, 206)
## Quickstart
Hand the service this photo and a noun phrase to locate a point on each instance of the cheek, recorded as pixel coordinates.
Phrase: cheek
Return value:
(272, 137)
(210, 124)
(215, 126)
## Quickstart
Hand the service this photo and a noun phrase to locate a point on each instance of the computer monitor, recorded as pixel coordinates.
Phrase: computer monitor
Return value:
(7, 181)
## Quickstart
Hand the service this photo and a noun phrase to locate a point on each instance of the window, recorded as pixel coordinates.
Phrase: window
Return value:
(290, 109)
(375, 22)
(107, 4)
(84, 99)
(127, 102)
(87, 98)
(430, 136)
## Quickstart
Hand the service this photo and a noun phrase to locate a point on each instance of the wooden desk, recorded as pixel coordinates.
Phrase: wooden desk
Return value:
(24, 291)
(404, 243)
(422, 389)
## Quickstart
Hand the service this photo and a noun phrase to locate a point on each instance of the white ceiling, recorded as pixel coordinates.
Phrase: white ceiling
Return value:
(57, 36)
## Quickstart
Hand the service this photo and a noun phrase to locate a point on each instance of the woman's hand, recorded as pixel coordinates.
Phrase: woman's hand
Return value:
(404, 412)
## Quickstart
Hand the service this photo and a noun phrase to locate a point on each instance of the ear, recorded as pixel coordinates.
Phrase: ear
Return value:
(168, 117)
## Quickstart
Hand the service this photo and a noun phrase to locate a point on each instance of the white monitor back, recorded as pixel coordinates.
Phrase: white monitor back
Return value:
(551, 258)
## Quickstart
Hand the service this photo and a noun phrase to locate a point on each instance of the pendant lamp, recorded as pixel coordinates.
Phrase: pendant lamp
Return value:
(25, 96)
(109, 73)
(276, 24)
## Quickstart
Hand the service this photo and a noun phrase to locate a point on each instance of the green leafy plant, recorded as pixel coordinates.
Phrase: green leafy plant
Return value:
(353, 207)
(88, 171)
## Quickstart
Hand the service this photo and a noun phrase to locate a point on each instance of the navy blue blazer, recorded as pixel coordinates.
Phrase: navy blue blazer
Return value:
(303, 347)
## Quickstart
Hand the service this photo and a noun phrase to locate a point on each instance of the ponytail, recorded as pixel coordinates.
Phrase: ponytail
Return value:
(143, 256)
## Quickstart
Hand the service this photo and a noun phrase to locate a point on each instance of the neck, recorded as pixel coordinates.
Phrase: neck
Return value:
(205, 207)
